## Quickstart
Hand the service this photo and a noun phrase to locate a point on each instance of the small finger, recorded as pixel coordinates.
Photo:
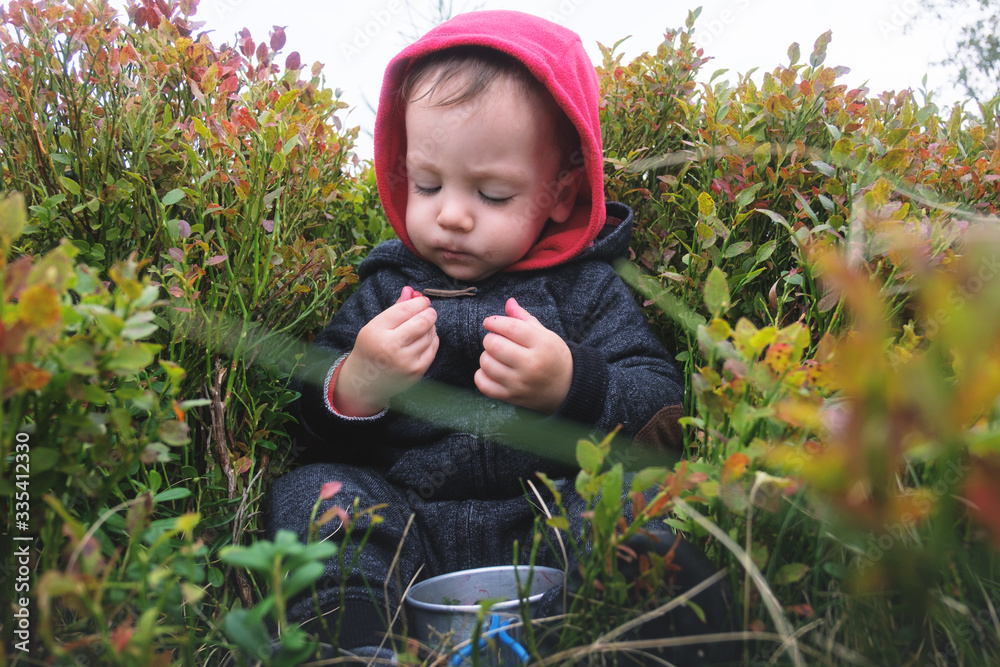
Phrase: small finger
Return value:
(510, 328)
(502, 349)
(488, 386)
(514, 309)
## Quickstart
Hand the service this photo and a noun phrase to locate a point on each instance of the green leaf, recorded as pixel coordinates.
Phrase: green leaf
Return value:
(745, 197)
(285, 99)
(174, 432)
(716, 292)
(155, 480)
(793, 53)
(139, 326)
(252, 558)
(71, 186)
(737, 249)
(558, 522)
(765, 251)
(819, 49)
(824, 168)
(251, 637)
(172, 197)
(302, 578)
(841, 150)
(79, 357)
(131, 360)
(609, 506)
(44, 458)
(175, 493)
(589, 456)
(647, 478)
(312, 552)
(789, 574)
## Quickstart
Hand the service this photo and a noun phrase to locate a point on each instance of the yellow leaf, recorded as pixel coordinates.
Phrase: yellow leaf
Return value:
(881, 191)
(13, 216)
(187, 522)
(38, 306)
(706, 206)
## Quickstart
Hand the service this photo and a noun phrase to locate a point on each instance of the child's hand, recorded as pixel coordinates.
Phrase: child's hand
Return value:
(392, 352)
(524, 363)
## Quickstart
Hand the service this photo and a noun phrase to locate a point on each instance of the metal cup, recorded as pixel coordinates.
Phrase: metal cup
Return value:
(443, 609)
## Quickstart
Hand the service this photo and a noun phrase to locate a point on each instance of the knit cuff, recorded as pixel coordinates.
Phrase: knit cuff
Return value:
(589, 388)
(328, 386)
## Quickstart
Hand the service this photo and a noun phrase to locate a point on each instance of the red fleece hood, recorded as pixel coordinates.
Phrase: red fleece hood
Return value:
(555, 56)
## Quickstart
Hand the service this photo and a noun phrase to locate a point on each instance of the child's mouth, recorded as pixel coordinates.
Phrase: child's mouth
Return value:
(454, 255)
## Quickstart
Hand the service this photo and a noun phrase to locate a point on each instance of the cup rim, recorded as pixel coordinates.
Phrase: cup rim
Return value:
(474, 608)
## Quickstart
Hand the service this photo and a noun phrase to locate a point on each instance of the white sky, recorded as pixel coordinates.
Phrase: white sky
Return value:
(356, 39)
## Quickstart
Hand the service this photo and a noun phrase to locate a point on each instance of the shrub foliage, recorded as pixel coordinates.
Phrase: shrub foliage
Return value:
(179, 217)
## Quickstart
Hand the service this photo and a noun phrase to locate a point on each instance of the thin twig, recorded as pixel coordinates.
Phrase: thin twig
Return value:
(392, 568)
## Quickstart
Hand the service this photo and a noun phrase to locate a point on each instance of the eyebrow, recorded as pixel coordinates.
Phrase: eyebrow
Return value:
(487, 173)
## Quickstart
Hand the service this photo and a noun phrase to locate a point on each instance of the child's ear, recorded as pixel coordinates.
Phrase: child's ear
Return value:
(566, 191)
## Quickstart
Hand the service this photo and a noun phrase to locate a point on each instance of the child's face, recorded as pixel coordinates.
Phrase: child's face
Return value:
(483, 180)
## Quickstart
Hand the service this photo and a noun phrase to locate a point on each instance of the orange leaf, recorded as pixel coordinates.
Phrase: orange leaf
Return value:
(25, 375)
(735, 466)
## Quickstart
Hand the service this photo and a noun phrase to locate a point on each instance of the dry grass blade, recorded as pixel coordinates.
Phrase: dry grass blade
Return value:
(662, 609)
(767, 595)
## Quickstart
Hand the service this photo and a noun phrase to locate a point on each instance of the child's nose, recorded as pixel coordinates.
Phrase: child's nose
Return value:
(455, 215)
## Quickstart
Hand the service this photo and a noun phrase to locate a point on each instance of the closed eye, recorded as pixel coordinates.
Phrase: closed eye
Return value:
(425, 191)
(494, 201)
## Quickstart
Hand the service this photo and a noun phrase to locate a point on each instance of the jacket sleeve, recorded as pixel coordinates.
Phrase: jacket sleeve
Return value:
(322, 433)
(622, 374)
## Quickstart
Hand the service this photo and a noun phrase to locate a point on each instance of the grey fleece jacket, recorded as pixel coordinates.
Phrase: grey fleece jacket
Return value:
(453, 446)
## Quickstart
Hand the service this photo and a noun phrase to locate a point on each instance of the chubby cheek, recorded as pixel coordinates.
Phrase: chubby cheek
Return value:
(415, 227)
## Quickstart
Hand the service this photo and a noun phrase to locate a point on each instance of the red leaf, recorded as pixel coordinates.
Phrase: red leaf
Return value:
(262, 52)
(329, 490)
(803, 609)
(218, 259)
(247, 45)
(277, 38)
(293, 61)
(983, 497)
(121, 636)
(176, 254)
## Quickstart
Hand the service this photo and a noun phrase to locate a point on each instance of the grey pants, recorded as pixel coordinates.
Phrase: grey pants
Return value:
(445, 536)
